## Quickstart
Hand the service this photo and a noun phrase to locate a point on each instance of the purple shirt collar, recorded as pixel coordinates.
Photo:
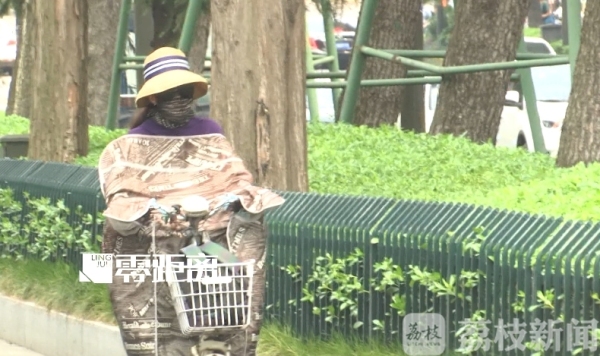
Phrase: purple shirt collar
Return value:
(196, 126)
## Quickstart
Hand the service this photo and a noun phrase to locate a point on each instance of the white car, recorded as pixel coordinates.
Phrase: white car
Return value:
(552, 88)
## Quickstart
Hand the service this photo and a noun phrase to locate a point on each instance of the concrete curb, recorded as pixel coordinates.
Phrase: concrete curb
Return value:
(56, 334)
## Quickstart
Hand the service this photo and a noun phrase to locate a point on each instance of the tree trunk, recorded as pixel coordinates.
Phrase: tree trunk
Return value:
(102, 34)
(19, 97)
(258, 81)
(199, 48)
(413, 97)
(580, 138)
(484, 32)
(59, 125)
(168, 18)
(395, 26)
(534, 14)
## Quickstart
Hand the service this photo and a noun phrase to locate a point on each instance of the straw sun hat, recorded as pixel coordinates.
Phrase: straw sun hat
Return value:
(167, 68)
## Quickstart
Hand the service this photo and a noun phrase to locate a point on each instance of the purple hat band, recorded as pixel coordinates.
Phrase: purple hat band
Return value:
(165, 64)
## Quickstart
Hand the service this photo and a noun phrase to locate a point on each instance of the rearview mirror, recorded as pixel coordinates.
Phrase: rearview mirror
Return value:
(513, 104)
(513, 98)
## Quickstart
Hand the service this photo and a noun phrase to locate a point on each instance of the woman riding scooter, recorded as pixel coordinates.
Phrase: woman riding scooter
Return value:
(168, 155)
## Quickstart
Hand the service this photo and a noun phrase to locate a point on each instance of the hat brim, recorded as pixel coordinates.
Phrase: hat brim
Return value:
(170, 80)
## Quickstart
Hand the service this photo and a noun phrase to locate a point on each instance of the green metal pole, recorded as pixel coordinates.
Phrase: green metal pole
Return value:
(531, 103)
(134, 59)
(334, 66)
(122, 32)
(367, 12)
(418, 53)
(528, 63)
(328, 59)
(574, 23)
(411, 73)
(127, 66)
(387, 82)
(378, 82)
(554, 60)
(187, 31)
(314, 75)
(404, 60)
(313, 103)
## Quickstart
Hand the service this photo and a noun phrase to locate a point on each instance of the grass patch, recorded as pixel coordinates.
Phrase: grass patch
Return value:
(55, 286)
(345, 159)
(532, 32)
(572, 193)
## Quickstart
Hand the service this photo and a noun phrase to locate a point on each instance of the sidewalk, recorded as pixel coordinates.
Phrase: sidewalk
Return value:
(7, 349)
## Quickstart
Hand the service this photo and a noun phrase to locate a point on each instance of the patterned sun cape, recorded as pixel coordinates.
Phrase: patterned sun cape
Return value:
(133, 169)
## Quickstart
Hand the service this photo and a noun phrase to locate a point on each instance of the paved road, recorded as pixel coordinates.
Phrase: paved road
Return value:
(7, 349)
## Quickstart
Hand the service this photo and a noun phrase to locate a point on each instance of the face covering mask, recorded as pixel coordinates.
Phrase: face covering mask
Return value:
(173, 113)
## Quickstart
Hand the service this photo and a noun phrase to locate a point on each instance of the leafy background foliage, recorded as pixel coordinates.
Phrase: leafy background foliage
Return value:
(386, 162)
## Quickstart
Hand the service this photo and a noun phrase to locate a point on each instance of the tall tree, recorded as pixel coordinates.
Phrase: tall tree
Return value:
(103, 20)
(59, 125)
(258, 81)
(580, 137)
(396, 25)
(19, 95)
(102, 34)
(485, 31)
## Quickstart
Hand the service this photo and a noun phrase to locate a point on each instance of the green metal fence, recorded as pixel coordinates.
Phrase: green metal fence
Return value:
(390, 256)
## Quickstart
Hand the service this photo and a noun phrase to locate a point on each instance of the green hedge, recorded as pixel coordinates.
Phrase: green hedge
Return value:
(386, 162)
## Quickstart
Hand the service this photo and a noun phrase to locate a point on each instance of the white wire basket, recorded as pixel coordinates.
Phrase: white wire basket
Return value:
(209, 296)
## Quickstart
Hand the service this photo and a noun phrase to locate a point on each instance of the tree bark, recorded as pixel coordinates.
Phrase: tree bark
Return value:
(580, 137)
(19, 96)
(199, 48)
(168, 18)
(395, 26)
(413, 96)
(258, 86)
(102, 35)
(59, 125)
(485, 31)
